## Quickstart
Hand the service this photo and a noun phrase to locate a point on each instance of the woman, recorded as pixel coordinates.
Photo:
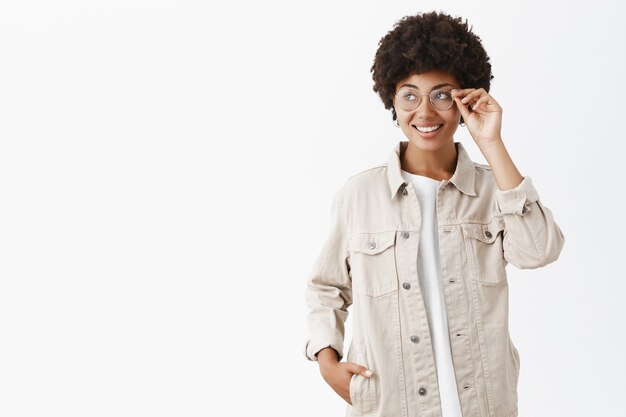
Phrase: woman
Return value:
(419, 245)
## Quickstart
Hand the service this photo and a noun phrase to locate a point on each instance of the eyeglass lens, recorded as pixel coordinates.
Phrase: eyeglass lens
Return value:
(409, 99)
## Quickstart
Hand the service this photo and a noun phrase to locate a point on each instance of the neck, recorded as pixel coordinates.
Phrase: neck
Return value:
(438, 165)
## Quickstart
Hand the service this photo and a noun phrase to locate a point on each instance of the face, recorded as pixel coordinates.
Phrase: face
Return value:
(425, 115)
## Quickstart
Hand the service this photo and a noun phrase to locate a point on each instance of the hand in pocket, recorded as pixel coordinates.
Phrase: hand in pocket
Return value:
(338, 375)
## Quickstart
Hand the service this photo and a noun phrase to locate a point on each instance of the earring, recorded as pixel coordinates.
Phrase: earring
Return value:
(396, 123)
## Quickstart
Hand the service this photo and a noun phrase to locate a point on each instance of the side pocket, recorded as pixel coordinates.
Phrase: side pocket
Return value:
(362, 390)
(517, 362)
(514, 375)
(353, 394)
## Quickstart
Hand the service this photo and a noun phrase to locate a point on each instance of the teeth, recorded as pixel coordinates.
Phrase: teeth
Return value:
(428, 129)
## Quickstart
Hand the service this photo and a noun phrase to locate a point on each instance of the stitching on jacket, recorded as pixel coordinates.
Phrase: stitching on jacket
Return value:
(478, 316)
(382, 165)
(535, 241)
(400, 354)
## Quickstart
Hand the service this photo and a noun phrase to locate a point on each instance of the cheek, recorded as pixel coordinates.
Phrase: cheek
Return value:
(404, 119)
(404, 116)
(452, 121)
(454, 117)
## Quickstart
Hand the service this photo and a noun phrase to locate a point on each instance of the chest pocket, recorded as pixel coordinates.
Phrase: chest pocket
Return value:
(484, 244)
(373, 263)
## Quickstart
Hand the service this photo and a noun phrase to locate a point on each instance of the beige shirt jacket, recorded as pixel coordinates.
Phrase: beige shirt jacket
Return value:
(369, 262)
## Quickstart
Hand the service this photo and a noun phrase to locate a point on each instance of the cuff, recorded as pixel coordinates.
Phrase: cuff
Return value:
(314, 345)
(517, 200)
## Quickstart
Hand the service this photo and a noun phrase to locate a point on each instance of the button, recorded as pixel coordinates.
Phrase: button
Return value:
(406, 285)
(415, 339)
(372, 245)
(487, 233)
(422, 391)
(404, 191)
(405, 234)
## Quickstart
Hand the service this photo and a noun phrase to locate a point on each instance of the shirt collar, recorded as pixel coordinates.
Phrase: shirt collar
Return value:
(463, 178)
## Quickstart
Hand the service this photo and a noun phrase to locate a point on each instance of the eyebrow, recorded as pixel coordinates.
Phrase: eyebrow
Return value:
(434, 88)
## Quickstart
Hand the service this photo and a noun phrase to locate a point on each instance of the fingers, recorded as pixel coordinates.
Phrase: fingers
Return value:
(470, 95)
(474, 97)
(355, 368)
(486, 103)
(480, 101)
(456, 95)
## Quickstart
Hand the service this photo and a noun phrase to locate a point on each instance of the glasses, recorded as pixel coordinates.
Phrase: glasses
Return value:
(409, 99)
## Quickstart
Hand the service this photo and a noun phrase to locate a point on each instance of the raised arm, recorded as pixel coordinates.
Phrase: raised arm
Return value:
(532, 238)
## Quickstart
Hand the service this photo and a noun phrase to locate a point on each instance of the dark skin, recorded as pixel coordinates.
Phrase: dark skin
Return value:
(483, 124)
(338, 374)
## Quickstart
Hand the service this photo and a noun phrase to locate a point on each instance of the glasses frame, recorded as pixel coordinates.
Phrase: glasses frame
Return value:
(430, 98)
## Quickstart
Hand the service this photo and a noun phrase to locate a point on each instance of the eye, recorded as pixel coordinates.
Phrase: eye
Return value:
(406, 94)
(442, 95)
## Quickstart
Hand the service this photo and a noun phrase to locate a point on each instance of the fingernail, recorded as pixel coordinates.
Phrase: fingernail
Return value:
(368, 373)
(454, 90)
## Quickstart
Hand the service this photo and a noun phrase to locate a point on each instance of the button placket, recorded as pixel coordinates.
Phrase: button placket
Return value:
(415, 339)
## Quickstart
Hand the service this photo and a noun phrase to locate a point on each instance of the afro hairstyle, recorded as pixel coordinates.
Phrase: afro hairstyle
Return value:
(429, 41)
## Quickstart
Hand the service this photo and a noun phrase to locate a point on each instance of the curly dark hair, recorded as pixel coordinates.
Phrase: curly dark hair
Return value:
(429, 41)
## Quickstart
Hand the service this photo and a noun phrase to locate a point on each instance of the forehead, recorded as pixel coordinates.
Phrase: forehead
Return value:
(428, 80)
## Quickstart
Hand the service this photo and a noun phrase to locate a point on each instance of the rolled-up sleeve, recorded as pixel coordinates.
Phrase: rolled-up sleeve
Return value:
(532, 238)
(329, 288)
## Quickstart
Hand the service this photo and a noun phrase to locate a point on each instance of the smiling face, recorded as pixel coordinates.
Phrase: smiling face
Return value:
(425, 116)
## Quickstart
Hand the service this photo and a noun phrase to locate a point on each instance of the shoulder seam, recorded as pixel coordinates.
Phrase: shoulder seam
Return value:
(381, 165)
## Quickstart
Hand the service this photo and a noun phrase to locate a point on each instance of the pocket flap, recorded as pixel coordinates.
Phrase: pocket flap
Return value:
(372, 243)
(488, 232)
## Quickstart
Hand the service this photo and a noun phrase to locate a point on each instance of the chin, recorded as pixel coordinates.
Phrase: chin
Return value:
(429, 144)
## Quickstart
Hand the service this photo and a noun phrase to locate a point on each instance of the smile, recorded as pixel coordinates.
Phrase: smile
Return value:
(428, 129)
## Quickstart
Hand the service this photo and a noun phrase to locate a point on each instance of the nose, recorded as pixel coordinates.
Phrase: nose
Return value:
(425, 108)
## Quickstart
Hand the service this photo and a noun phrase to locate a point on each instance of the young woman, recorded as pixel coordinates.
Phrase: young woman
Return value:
(419, 245)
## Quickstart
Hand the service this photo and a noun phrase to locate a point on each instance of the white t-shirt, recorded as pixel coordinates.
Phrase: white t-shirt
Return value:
(429, 271)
